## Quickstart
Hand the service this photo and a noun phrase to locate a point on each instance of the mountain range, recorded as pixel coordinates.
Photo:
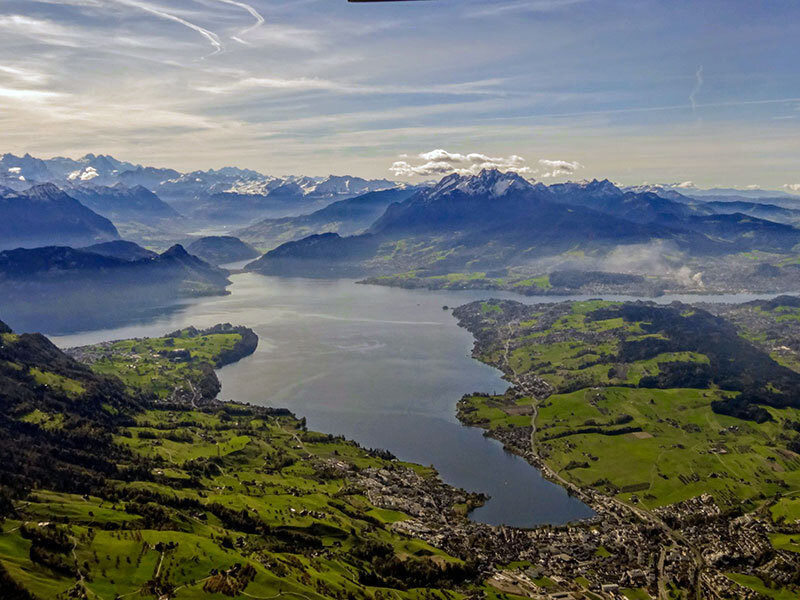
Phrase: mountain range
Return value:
(158, 207)
(45, 215)
(101, 285)
(495, 220)
(110, 263)
(345, 217)
(492, 222)
(227, 194)
(122, 203)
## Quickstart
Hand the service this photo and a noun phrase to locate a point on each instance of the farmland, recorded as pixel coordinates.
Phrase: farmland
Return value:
(668, 410)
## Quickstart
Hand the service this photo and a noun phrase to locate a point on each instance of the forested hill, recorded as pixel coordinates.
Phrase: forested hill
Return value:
(56, 419)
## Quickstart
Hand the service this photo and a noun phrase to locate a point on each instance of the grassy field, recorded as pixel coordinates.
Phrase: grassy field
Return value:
(787, 509)
(468, 279)
(681, 448)
(72, 388)
(160, 366)
(757, 585)
(601, 429)
(264, 469)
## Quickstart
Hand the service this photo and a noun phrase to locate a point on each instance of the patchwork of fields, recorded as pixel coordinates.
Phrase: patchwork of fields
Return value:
(653, 406)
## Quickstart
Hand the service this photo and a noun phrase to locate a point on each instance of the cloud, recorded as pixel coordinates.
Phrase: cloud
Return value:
(286, 36)
(255, 14)
(212, 37)
(522, 6)
(792, 187)
(23, 74)
(303, 84)
(40, 30)
(37, 96)
(683, 185)
(87, 174)
(299, 84)
(698, 84)
(556, 168)
(441, 162)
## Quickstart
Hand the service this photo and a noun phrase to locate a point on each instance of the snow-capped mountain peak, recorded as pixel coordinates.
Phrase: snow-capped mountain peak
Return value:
(489, 182)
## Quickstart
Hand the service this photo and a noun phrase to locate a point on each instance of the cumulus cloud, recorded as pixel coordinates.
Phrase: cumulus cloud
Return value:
(556, 168)
(87, 174)
(441, 162)
(792, 187)
(684, 185)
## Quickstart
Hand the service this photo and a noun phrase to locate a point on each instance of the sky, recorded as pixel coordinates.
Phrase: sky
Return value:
(635, 91)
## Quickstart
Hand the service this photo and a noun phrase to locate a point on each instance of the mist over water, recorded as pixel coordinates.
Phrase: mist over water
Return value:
(383, 366)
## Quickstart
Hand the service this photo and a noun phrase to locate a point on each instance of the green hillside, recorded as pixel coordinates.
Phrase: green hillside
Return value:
(111, 488)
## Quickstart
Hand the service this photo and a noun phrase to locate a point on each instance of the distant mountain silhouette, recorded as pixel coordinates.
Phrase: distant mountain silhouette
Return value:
(122, 203)
(222, 249)
(345, 217)
(55, 265)
(121, 249)
(44, 214)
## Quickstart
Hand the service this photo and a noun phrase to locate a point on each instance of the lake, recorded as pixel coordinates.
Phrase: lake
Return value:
(382, 366)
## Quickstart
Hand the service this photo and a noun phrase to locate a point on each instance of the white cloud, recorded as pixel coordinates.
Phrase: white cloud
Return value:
(522, 6)
(37, 96)
(282, 35)
(300, 84)
(792, 187)
(697, 85)
(556, 168)
(43, 31)
(684, 185)
(752, 187)
(23, 74)
(441, 162)
(259, 20)
(87, 174)
(212, 37)
(303, 84)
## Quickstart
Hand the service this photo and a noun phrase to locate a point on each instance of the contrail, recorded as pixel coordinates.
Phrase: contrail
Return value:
(256, 15)
(212, 37)
(699, 76)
